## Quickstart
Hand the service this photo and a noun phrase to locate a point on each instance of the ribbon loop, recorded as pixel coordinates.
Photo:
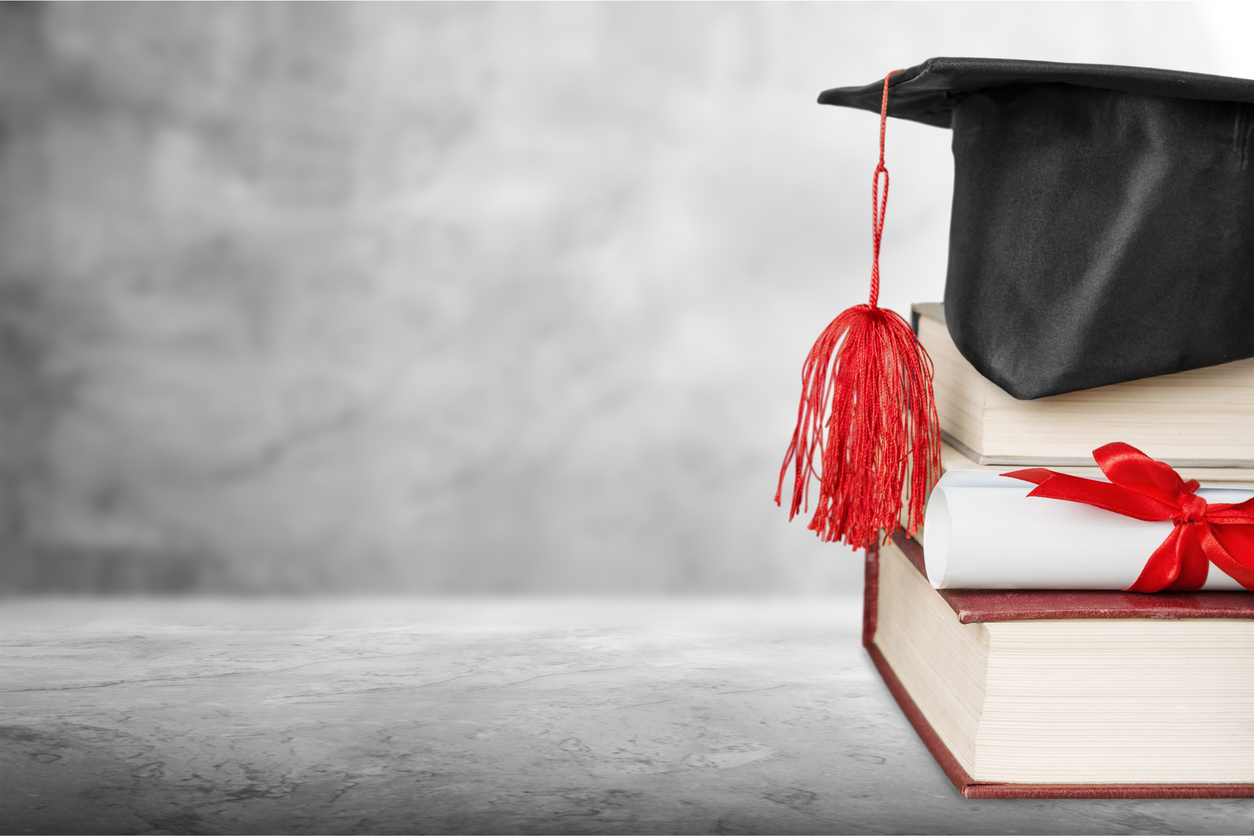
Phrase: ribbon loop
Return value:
(1145, 489)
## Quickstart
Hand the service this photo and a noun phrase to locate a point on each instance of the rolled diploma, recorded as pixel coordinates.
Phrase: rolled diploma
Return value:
(983, 531)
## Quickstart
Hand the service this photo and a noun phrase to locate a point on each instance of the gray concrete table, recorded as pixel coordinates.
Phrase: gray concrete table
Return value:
(442, 716)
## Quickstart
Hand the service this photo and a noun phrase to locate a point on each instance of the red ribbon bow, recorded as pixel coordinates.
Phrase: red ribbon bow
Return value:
(1149, 490)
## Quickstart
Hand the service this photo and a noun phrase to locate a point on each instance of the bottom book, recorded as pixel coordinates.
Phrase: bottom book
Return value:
(1067, 694)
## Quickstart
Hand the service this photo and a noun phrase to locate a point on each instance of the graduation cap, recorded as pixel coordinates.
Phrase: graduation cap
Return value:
(1102, 231)
(1103, 217)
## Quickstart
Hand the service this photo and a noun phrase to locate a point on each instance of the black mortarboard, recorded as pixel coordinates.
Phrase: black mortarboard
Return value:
(1103, 217)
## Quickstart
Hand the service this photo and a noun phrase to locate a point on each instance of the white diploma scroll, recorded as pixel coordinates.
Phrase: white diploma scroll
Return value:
(983, 531)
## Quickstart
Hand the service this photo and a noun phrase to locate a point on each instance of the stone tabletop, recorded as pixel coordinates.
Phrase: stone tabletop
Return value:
(483, 716)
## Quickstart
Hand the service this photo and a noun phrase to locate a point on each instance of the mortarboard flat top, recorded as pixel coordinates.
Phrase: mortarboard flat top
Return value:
(928, 92)
(1103, 217)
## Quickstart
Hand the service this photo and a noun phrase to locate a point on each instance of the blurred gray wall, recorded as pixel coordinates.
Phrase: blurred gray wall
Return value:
(466, 297)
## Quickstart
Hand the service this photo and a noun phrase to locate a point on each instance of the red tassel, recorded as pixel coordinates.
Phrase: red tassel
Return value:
(868, 370)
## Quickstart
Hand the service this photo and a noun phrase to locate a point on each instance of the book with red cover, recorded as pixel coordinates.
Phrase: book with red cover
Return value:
(973, 605)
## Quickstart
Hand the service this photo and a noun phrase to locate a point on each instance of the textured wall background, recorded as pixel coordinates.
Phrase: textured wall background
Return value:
(466, 297)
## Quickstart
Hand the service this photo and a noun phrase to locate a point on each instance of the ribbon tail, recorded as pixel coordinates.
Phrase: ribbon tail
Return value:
(1231, 548)
(1035, 475)
(1163, 566)
(1194, 567)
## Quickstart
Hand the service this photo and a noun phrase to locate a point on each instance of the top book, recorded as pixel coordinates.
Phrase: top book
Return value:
(1198, 418)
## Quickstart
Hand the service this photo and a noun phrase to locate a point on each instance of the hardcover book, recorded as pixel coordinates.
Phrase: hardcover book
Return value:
(1203, 418)
(1067, 694)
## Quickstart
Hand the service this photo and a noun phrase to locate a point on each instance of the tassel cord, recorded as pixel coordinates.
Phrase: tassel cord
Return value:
(879, 203)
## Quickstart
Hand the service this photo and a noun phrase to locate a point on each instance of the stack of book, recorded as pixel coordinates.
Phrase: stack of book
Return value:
(1075, 693)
